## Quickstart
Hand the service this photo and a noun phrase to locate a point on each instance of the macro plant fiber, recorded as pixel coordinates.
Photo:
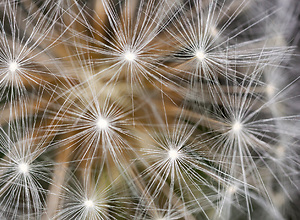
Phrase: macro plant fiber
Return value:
(149, 110)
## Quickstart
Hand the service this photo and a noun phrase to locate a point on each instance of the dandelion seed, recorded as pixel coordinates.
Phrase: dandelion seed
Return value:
(102, 123)
(237, 127)
(280, 151)
(173, 154)
(232, 189)
(13, 66)
(200, 54)
(78, 204)
(23, 168)
(270, 90)
(130, 56)
(179, 144)
(89, 203)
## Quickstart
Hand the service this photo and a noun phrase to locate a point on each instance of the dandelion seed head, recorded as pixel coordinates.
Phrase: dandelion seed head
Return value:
(237, 127)
(117, 58)
(23, 168)
(13, 66)
(102, 123)
(200, 54)
(129, 56)
(173, 154)
(88, 203)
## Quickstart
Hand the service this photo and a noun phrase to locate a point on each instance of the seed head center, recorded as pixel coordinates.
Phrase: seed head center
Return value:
(173, 154)
(237, 127)
(89, 203)
(102, 123)
(200, 54)
(23, 168)
(130, 56)
(13, 66)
